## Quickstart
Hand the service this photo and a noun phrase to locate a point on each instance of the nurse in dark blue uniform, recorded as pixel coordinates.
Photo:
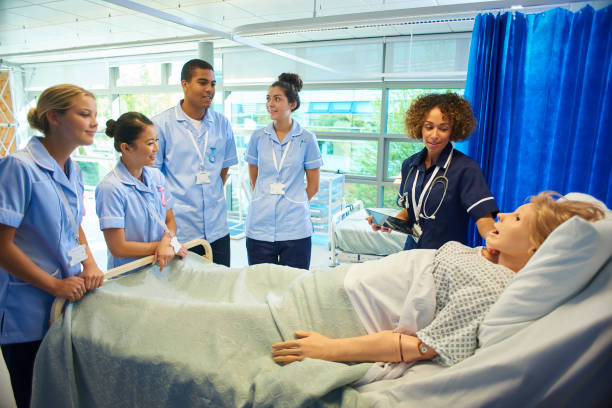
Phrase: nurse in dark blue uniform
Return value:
(441, 187)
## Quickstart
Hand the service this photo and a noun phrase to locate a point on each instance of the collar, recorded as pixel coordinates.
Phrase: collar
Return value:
(124, 176)
(419, 161)
(43, 159)
(295, 131)
(181, 116)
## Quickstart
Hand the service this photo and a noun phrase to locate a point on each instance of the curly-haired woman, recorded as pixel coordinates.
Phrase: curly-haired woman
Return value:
(442, 188)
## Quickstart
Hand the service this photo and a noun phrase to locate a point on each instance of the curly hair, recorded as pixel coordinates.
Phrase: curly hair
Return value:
(456, 109)
(551, 212)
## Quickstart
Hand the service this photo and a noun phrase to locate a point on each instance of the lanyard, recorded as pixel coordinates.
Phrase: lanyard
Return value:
(276, 165)
(148, 207)
(197, 149)
(416, 209)
(60, 192)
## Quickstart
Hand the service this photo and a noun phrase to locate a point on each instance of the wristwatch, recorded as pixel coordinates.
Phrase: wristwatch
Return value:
(423, 349)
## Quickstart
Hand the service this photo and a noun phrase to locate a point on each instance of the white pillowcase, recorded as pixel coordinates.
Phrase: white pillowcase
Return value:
(565, 263)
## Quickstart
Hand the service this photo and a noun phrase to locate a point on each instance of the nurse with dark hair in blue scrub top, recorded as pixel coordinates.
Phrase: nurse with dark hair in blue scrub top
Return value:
(441, 187)
(279, 228)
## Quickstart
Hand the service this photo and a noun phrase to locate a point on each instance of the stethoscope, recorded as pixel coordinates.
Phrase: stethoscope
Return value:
(419, 209)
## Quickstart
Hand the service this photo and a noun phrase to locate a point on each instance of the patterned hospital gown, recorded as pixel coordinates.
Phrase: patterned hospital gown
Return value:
(467, 285)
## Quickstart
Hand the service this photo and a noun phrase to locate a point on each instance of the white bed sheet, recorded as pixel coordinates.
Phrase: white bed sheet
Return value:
(562, 359)
(354, 235)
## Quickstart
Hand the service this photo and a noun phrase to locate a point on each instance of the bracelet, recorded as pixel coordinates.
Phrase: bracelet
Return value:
(400, 347)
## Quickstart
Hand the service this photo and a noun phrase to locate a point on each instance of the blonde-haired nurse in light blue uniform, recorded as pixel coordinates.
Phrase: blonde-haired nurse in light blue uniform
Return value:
(132, 202)
(43, 252)
(279, 228)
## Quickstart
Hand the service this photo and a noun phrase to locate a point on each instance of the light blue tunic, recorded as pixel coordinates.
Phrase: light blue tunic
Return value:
(30, 202)
(121, 202)
(284, 217)
(199, 210)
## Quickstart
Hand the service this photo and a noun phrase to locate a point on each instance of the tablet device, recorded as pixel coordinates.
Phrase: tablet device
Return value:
(386, 220)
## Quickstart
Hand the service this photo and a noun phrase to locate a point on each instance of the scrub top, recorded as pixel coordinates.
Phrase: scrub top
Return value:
(199, 209)
(281, 217)
(467, 196)
(123, 201)
(31, 202)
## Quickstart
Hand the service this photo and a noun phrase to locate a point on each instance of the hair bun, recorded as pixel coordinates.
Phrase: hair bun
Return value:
(111, 125)
(293, 79)
(33, 119)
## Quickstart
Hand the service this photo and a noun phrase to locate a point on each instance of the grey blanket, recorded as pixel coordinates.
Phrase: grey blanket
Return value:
(199, 334)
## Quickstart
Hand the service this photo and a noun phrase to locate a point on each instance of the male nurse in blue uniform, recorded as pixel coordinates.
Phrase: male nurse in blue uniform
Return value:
(196, 148)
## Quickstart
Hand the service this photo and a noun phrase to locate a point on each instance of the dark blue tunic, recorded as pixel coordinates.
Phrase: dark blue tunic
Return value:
(467, 196)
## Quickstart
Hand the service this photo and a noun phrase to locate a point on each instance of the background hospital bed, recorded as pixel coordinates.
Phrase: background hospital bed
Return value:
(547, 341)
(351, 238)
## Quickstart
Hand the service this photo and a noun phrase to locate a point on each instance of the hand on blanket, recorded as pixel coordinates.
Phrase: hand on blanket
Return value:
(308, 344)
(92, 275)
(164, 253)
(182, 253)
(72, 288)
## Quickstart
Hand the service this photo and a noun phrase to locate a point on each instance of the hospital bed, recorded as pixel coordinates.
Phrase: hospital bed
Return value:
(185, 337)
(351, 239)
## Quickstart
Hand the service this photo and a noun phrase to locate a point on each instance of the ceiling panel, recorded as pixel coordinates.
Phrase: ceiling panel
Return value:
(274, 7)
(7, 4)
(45, 14)
(461, 26)
(19, 20)
(87, 9)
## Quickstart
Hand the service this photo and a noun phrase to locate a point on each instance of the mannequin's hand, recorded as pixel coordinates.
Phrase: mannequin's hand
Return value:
(308, 344)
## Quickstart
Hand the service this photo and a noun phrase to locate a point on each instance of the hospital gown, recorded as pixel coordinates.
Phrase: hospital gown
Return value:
(467, 285)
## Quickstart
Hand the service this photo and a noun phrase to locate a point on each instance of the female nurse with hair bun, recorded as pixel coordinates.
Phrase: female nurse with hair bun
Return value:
(279, 228)
(44, 250)
(132, 202)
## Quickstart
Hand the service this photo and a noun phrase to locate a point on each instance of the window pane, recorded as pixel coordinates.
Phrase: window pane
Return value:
(429, 55)
(247, 113)
(343, 110)
(139, 74)
(363, 192)
(398, 152)
(390, 197)
(399, 102)
(148, 104)
(87, 75)
(356, 157)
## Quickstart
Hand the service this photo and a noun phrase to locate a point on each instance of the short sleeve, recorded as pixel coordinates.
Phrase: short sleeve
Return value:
(110, 206)
(230, 157)
(476, 197)
(161, 142)
(252, 153)
(312, 154)
(15, 191)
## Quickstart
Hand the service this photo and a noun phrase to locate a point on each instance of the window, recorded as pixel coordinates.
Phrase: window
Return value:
(359, 191)
(149, 104)
(139, 74)
(356, 157)
(343, 110)
(398, 152)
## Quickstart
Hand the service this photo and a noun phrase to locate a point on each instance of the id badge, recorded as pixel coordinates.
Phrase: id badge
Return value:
(203, 177)
(176, 245)
(77, 254)
(277, 188)
(416, 228)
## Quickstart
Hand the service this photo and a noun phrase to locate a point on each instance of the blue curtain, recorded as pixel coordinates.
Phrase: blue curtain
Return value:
(541, 88)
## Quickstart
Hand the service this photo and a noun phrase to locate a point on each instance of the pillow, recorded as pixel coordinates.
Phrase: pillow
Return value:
(565, 263)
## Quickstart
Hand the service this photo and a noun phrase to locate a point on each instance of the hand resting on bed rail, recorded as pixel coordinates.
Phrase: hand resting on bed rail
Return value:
(513, 241)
